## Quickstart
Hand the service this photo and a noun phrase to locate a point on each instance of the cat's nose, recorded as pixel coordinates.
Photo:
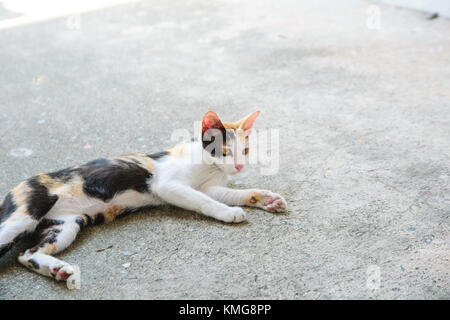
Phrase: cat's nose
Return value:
(239, 167)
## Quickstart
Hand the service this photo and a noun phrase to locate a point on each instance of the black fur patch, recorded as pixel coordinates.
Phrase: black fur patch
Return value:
(49, 237)
(99, 219)
(104, 178)
(64, 175)
(34, 264)
(88, 218)
(132, 160)
(209, 137)
(39, 201)
(7, 207)
(158, 155)
(80, 222)
(5, 248)
(47, 223)
(129, 211)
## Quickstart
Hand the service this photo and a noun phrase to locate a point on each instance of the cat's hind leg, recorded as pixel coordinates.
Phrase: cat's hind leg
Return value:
(15, 218)
(56, 236)
(12, 229)
(22, 210)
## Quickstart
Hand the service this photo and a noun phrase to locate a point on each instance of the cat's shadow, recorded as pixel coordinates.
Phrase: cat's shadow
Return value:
(9, 263)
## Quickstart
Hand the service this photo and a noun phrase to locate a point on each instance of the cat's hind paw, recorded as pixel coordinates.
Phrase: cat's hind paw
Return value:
(62, 273)
(268, 200)
(233, 215)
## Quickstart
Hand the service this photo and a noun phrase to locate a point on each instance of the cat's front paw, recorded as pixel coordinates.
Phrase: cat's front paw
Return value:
(232, 215)
(267, 200)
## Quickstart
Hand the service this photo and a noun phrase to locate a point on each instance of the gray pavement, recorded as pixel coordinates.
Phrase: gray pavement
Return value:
(364, 123)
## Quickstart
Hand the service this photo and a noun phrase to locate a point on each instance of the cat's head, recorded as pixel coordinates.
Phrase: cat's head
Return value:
(226, 144)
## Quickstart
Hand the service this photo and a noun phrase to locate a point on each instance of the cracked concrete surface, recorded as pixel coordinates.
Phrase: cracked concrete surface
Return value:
(364, 155)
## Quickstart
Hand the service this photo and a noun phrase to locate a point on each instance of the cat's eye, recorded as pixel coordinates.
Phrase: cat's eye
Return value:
(245, 151)
(226, 152)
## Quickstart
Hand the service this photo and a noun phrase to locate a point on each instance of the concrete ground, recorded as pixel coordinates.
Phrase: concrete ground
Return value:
(360, 94)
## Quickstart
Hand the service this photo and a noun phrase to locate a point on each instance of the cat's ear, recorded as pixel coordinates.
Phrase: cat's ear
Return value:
(211, 121)
(246, 123)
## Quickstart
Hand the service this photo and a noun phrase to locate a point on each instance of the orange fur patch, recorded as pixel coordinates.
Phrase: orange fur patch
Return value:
(85, 219)
(20, 194)
(242, 136)
(112, 212)
(49, 248)
(76, 188)
(177, 151)
(147, 163)
(48, 182)
(254, 198)
(230, 125)
(141, 159)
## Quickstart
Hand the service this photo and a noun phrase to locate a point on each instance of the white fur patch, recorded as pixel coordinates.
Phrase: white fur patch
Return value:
(67, 206)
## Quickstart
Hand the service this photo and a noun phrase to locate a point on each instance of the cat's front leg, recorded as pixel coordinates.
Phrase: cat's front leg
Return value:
(263, 199)
(185, 197)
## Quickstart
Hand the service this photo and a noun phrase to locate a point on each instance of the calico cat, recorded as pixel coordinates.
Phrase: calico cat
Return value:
(57, 205)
